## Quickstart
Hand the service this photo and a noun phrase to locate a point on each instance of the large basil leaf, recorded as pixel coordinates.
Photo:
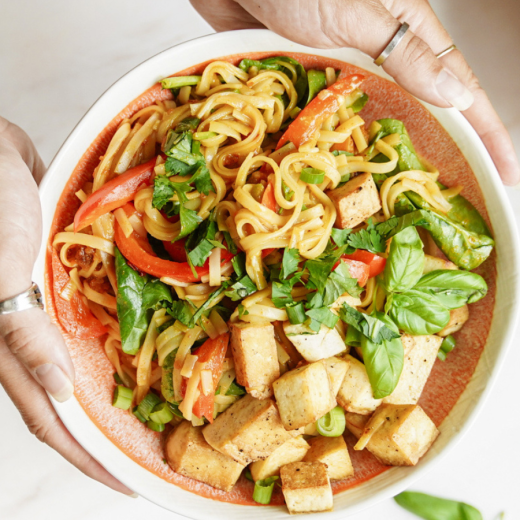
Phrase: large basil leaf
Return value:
(137, 297)
(453, 289)
(405, 262)
(384, 361)
(464, 248)
(435, 508)
(418, 313)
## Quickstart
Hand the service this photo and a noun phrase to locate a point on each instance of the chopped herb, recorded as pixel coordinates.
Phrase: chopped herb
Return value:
(242, 311)
(296, 313)
(340, 236)
(339, 282)
(369, 239)
(312, 175)
(231, 246)
(291, 259)
(323, 315)
(241, 288)
(239, 264)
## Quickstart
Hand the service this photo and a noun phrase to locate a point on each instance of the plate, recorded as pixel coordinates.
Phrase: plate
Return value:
(93, 422)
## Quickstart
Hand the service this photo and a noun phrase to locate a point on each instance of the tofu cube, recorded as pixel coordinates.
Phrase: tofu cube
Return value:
(355, 201)
(304, 395)
(333, 452)
(291, 451)
(420, 353)
(355, 423)
(256, 358)
(306, 487)
(457, 319)
(399, 434)
(314, 346)
(336, 368)
(355, 394)
(248, 430)
(433, 263)
(188, 454)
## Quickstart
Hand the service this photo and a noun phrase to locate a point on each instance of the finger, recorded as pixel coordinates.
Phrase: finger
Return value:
(481, 115)
(42, 420)
(225, 15)
(25, 147)
(37, 343)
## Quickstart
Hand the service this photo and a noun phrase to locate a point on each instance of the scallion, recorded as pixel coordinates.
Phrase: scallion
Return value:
(117, 379)
(312, 175)
(122, 397)
(264, 490)
(180, 81)
(147, 405)
(296, 313)
(136, 412)
(200, 136)
(448, 344)
(332, 424)
(161, 414)
(156, 427)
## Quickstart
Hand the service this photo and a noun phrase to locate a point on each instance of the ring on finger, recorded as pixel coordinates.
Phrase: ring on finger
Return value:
(394, 42)
(446, 51)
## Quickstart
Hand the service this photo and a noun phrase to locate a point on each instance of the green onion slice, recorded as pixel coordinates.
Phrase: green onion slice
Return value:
(264, 490)
(312, 175)
(180, 81)
(200, 136)
(117, 379)
(122, 397)
(156, 427)
(147, 405)
(161, 414)
(441, 355)
(135, 411)
(448, 344)
(332, 424)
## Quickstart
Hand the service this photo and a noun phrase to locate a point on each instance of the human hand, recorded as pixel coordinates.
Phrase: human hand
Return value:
(369, 25)
(33, 353)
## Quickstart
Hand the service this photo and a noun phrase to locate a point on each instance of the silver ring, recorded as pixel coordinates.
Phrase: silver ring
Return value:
(23, 301)
(394, 42)
(445, 51)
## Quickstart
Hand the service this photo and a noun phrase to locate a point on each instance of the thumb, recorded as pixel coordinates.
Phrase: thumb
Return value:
(39, 346)
(416, 68)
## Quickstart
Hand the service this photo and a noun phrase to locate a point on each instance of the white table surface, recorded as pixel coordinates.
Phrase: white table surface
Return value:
(56, 58)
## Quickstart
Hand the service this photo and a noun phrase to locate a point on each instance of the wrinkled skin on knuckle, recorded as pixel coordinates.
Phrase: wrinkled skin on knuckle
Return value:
(21, 339)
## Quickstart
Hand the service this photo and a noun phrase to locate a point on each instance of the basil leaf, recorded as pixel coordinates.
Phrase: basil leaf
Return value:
(181, 310)
(202, 180)
(291, 259)
(137, 297)
(436, 508)
(323, 315)
(405, 262)
(418, 313)
(319, 270)
(340, 282)
(452, 288)
(200, 243)
(377, 327)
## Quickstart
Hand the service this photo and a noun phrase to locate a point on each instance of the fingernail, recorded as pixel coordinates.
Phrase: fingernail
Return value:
(55, 381)
(134, 495)
(453, 91)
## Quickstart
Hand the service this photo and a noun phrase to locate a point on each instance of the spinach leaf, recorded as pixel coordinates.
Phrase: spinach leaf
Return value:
(181, 310)
(436, 508)
(202, 242)
(239, 264)
(405, 261)
(418, 313)
(340, 282)
(360, 103)
(376, 327)
(137, 297)
(452, 288)
(369, 239)
(464, 248)
(317, 81)
(291, 259)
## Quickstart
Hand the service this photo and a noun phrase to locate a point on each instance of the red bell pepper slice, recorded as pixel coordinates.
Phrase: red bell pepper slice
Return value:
(114, 194)
(134, 249)
(176, 249)
(74, 315)
(326, 103)
(356, 269)
(375, 262)
(213, 353)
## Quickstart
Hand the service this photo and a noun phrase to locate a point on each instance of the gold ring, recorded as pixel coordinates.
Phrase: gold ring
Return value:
(446, 51)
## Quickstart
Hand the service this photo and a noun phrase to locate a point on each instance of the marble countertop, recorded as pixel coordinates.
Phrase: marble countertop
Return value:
(56, 58)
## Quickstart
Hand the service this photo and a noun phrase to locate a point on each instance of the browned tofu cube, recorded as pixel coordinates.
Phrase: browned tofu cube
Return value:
(292, 451)
(398, 435)
(420, 353)
(336, 368)
(304, 395)
(355, 423)
(457, 319)
(248, 430)
(333, 452)
(256, 359)
(355, 394)
(306, 487)
(189, 454)
(355, 201)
